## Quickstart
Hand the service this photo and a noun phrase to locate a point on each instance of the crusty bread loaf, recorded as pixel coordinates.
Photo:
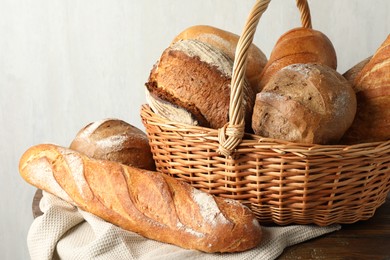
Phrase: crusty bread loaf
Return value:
(227, 42)
(372, 87)
(306, 103)
(299, 45)
(115, 140)
(149, 203)
(194, 78)
(351, 73)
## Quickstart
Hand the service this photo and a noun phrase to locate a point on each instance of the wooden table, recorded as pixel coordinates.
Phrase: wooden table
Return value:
(368, 239)
(365, 240)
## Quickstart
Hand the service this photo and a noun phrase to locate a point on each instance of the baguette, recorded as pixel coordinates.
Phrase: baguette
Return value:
(151, 204)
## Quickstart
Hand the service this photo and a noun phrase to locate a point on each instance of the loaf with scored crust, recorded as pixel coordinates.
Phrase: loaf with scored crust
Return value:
(351, 73)
(305, 103)
(372, 87)
(149, 203)
(299, 46)
(115, 140)
(227, 42)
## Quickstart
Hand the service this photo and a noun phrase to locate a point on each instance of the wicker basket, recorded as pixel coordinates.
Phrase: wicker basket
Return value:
(282, 182)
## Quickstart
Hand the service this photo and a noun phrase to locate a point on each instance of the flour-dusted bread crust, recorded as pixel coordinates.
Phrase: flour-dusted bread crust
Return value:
(306, 103)
(149, 203)
(227, 42)
(115, 140)
(194, 78)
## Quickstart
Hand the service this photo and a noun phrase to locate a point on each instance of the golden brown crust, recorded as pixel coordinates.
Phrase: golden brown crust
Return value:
(196, 77)
(307, 103)
(299, 45)
(372, 87)
(149, 203)
(115, 140)
(351, 74)
(227, 42)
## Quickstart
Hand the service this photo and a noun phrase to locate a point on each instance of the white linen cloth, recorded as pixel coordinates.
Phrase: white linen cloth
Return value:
(66, 232)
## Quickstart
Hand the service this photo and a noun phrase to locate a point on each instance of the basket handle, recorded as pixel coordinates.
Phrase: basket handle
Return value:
(231, 134)
(304, 9)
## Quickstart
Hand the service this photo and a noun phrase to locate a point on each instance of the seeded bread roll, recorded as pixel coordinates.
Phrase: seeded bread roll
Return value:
(227, 42)
(305, 103)
(372, 87)
(115, 140)
(299, 45)
(193, 78)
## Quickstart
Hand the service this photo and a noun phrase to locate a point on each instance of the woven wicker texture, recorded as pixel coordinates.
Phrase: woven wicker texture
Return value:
(281, 182)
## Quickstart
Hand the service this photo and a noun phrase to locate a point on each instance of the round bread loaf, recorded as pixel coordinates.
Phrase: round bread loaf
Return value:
(299, 45)
(191, 84)
(227, 42)
(305, 103)
(115, 140)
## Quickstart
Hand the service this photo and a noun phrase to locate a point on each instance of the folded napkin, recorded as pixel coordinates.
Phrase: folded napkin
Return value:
(66, 232)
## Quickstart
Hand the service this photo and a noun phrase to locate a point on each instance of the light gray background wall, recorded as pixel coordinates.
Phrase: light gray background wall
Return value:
(64, 64)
